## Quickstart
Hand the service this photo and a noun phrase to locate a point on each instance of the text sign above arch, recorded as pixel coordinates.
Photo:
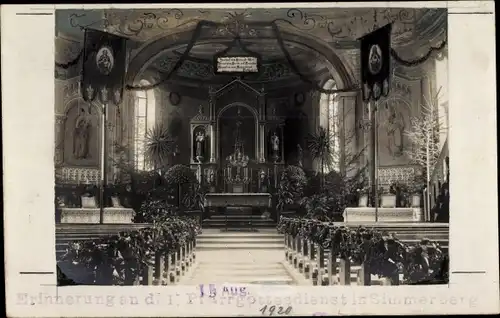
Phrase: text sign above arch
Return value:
(236, 64)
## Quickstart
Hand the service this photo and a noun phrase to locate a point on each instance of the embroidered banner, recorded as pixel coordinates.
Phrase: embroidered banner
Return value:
(104, 63)
(376, 63)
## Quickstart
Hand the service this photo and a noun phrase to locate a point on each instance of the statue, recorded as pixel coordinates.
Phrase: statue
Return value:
(275, 141)
(299, 155)
(262, 181)
(395, 130)
(262, 176)
(81, 135)
(200, 140)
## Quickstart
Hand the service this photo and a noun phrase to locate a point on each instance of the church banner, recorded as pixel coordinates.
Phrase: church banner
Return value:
(104, 64)
(376, 63)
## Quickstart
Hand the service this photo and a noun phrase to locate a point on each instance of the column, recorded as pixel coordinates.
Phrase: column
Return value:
(262, 143)
(282, 143)
(59, 139)
(212, 142)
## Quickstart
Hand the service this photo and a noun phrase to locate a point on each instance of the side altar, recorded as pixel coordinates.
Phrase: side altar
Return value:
(77, 202)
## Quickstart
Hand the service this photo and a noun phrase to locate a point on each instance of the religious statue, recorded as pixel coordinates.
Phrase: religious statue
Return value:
(275, 141)
(395, 130)
(81, 135)
(275, 146)
(262, 175)
(299, 155)
(200, 141)
(211, 177)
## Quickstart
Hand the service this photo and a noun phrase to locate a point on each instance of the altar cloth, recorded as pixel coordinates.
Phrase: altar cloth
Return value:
(238, 199)
(91, 215)
(367, 214)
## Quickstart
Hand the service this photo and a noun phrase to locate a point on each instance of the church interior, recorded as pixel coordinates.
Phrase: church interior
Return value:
(290, 136)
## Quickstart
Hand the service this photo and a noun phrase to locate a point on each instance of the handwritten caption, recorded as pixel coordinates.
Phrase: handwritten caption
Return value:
(237, 64)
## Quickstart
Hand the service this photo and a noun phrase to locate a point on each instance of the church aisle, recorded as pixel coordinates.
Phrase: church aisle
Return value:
(238, 266)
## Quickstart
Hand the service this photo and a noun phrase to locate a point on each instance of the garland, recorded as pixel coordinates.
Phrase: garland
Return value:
(118, 259)
(382, 253)
(291, 62)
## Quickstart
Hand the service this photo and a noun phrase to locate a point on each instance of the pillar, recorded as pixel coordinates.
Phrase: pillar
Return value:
(347, 103)
(212, 142)
(262, 143)
(59, 139)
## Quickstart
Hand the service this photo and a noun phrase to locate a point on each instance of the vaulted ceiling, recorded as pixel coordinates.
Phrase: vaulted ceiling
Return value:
(339, 27)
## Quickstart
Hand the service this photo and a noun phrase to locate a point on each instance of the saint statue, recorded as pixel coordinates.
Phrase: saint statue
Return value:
(200, 140)
(81, 135)
(395, 130)
(299, 155)
(275, 141)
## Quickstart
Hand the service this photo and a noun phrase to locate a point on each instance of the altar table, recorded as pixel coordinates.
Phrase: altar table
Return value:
(238, 199)
(92, 215)
(367, 214)
(262, 200)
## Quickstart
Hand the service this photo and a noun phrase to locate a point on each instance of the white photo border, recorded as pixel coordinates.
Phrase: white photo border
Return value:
(28, 148)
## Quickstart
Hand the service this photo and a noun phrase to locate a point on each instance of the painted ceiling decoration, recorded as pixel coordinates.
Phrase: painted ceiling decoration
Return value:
(281, 60)
(337, 25)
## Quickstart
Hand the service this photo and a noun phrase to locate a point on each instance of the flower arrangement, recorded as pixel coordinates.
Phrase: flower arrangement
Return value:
(153, 209)
(291, 186)
(382, 252)
(180, 174)
(119, 259)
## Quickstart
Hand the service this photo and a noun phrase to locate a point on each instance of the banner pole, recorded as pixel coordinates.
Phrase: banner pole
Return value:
(373, 164)
(103, 162)
(375, 158)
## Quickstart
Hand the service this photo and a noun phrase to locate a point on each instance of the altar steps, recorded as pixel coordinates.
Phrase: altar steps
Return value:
(235, 221)
(265, 239)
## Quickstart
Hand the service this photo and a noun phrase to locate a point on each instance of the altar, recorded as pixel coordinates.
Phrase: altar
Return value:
(367, 214)
(238, 200)
(237, 147)
(92, 215)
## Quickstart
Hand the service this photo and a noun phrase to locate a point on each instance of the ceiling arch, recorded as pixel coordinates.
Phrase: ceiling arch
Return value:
(150, 52)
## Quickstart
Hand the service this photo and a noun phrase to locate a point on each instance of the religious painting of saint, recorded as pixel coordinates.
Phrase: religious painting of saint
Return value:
(105, 60)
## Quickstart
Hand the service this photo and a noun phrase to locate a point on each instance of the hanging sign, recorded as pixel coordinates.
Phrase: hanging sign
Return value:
(237, 64)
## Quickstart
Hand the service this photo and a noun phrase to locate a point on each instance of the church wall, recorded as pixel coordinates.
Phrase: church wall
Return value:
(177, 118)
(67, 106)
(394, 116)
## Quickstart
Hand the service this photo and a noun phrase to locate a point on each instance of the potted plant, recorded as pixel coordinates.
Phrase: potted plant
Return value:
(322, 207)
(415, 190)
(320, 147)
(181, 179)
(400, 190)
(291, 187)
(159, 146)
(363, 196)
(387, 197)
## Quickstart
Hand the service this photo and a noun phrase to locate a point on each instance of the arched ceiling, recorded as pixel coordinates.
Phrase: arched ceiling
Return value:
(199, 65)
(333, 25)
(339, 27)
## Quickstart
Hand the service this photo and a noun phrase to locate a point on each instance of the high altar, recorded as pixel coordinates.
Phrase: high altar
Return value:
(237, 147)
